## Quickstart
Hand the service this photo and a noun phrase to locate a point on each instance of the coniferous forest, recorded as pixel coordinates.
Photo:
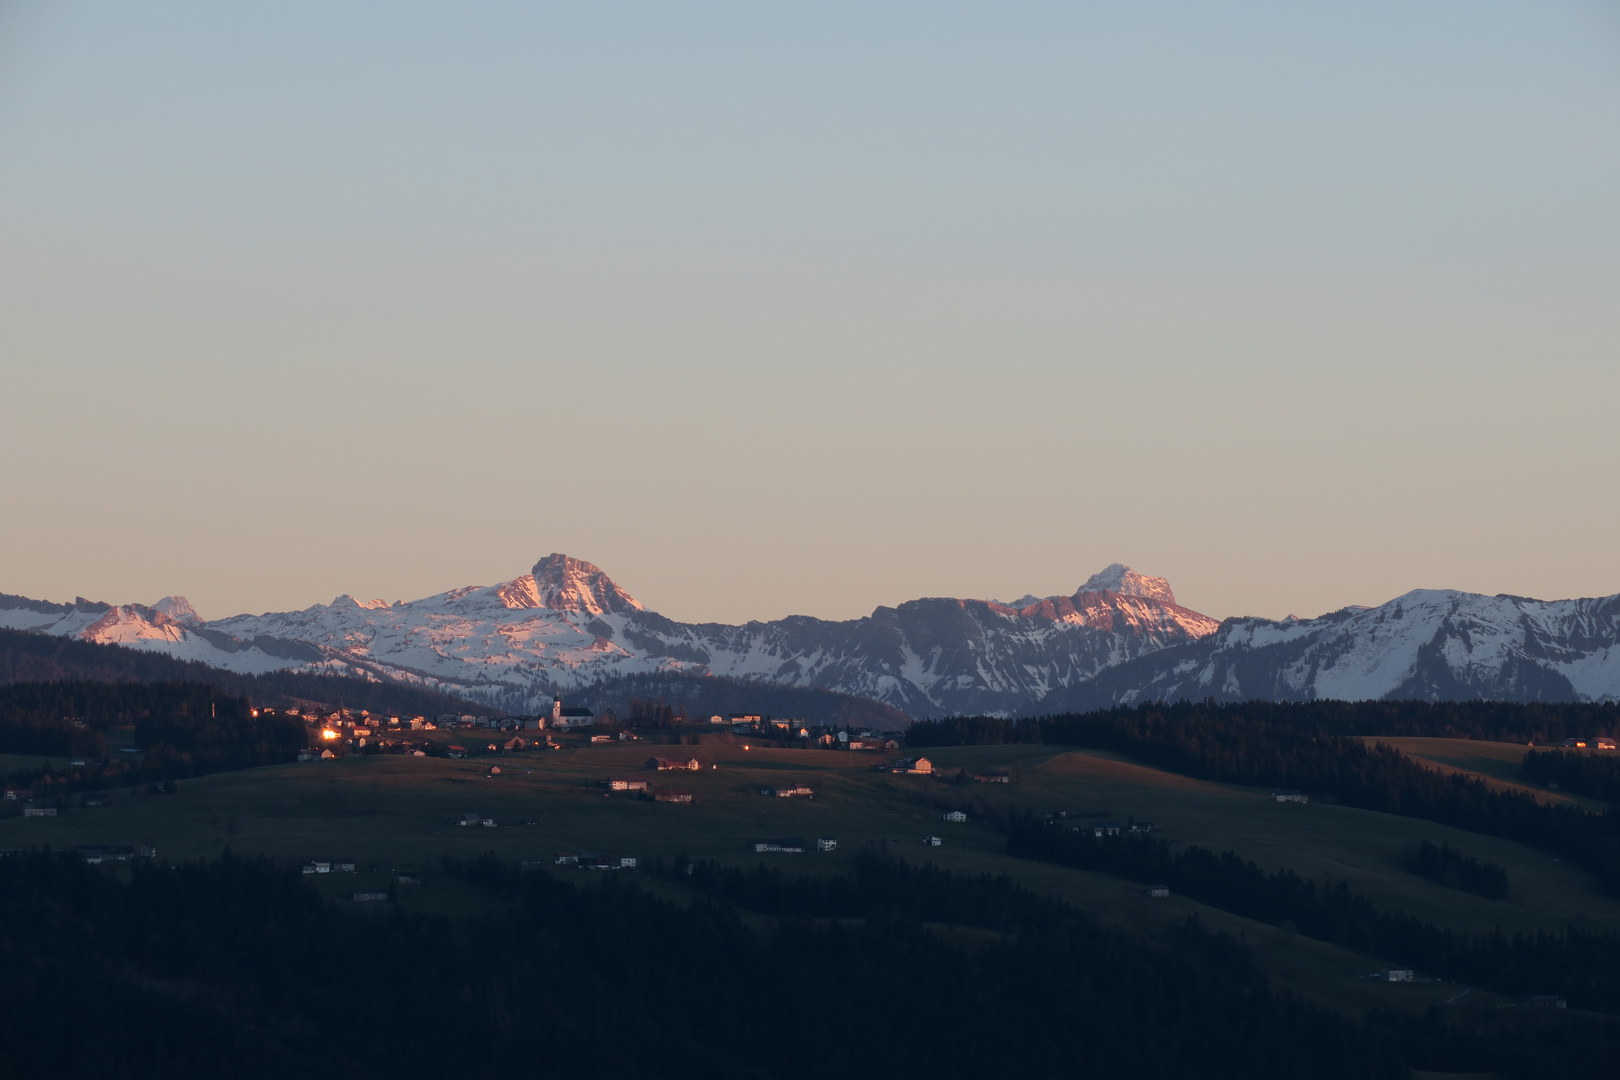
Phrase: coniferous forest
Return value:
(1330, 748)
(237, 968)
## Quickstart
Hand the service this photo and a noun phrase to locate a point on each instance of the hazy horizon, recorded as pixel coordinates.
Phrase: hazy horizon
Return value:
(776, 310)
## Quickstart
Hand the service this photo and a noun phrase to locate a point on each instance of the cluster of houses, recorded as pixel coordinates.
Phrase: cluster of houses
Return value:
(794, 845)
(1105, 827)
(1600, 743)
(98, 853)
(591, 861)
(328, 866)
(104, 853)
(647, 790)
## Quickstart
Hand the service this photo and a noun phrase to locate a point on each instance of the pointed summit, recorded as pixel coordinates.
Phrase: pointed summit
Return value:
(179, 610)
(567, 584)
(1121, 579)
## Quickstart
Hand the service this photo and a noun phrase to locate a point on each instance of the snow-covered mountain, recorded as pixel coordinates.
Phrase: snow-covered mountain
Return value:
(567, 625)
(1435, 645)
(1120, 638)
(170, 626)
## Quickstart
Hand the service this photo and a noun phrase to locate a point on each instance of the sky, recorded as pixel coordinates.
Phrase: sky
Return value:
(775, 308)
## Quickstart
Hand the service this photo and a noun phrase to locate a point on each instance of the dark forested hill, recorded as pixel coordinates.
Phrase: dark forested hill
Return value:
(233, 968)
(707, 695)
(40, 658)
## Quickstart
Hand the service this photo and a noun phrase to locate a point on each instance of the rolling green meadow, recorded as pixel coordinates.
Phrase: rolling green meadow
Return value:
(397, 814)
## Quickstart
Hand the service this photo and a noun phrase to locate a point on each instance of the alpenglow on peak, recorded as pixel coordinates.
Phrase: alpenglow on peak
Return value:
(1119, 578)
(563, 583)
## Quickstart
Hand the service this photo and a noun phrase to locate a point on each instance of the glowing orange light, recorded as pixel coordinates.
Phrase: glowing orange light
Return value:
(328, 733)
(745, 746)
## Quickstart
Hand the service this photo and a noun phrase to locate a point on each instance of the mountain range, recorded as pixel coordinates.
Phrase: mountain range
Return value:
(567, 628)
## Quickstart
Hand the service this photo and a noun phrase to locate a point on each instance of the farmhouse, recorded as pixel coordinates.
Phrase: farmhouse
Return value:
(915, 765)
(1396, 975)
(627, 785)
(39, 811)
(873, 744)
(825, 843)
(991, 778)
(797, 791)
(931, 841)
(674, 764)
(1158, 892)
(1105, 827)
(779, 845)
(671, 795)
(100, 854)
(955, 815)
(1290, 795)
(468, 820)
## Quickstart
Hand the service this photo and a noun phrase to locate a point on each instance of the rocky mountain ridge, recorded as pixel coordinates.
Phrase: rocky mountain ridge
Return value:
(1120, 638)
(566, 626)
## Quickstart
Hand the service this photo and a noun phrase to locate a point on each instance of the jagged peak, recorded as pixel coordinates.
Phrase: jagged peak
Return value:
(1121, 579)
(178, 609)
(563, 583)
(350, 602)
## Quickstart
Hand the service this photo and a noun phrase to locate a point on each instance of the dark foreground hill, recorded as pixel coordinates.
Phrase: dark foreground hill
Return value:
(234, 968)
(40, 658)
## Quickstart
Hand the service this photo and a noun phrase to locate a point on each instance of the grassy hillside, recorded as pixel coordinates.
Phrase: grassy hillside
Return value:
(395, 813)
(1496, 763)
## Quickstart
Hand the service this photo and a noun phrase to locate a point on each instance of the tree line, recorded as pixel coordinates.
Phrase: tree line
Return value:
(1445, 865)
(1312, 746)
(236, 968)
(1494, 721)
(43, 658)
(1596, 776)
(181, 729)
(1581, 966)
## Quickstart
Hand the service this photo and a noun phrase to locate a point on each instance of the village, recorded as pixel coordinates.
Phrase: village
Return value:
(344, 732)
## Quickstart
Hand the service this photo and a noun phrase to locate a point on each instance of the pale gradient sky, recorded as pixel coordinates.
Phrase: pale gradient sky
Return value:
(773, 309)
